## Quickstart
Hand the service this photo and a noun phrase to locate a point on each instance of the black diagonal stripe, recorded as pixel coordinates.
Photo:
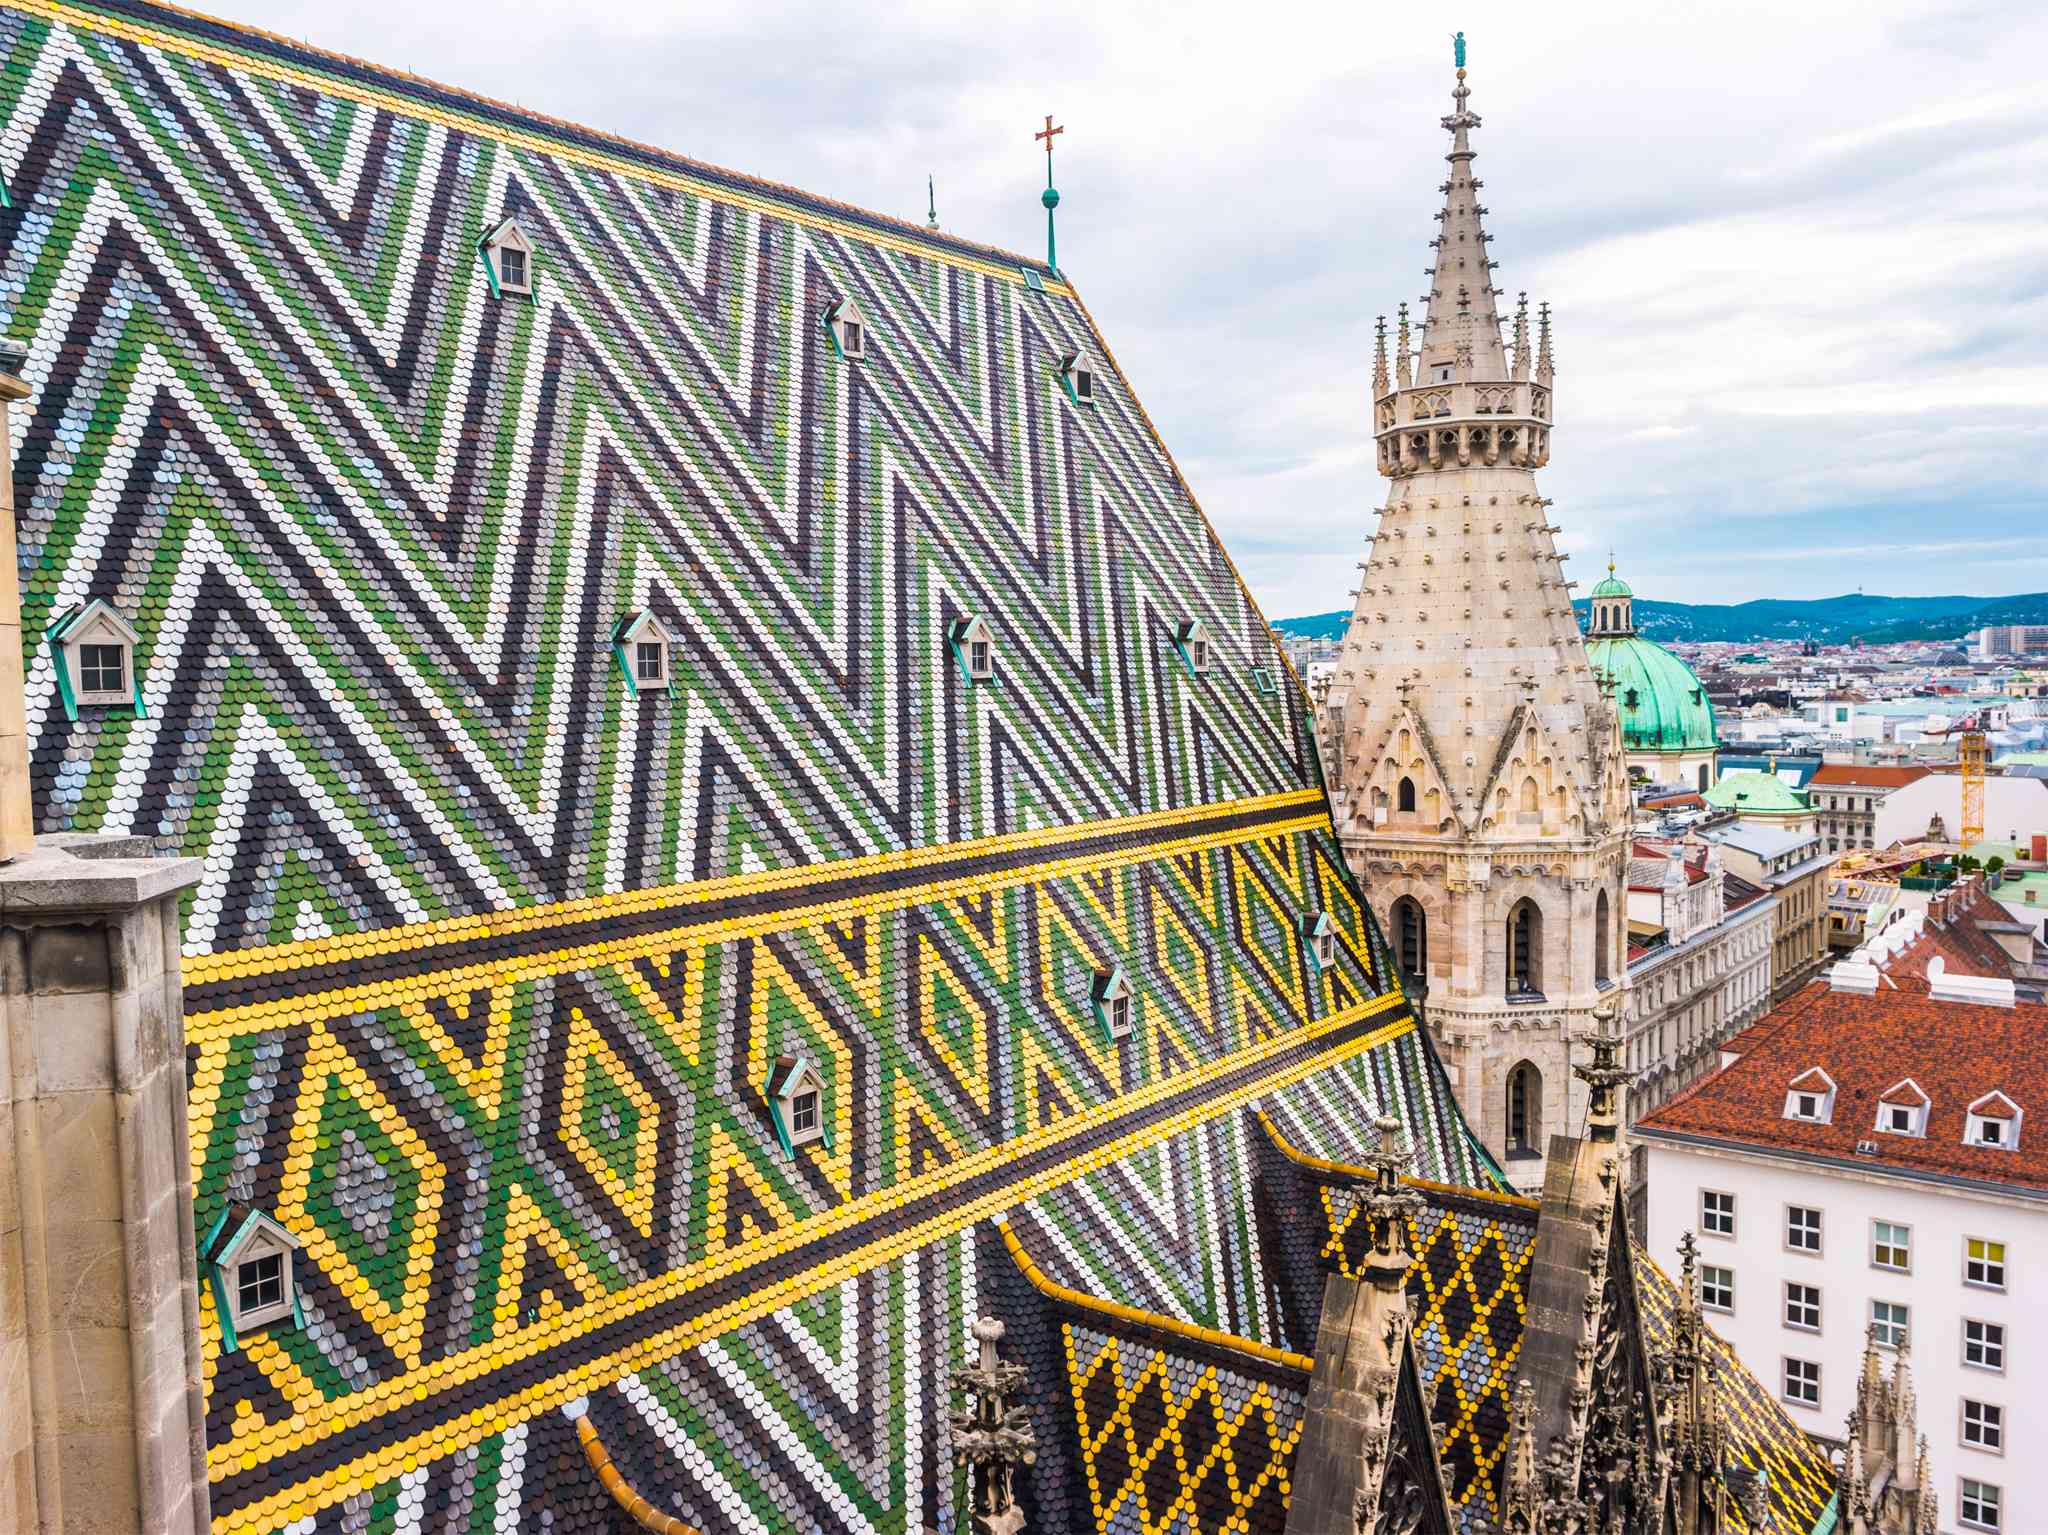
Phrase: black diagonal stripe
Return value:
(825, 885)
(803, 1253)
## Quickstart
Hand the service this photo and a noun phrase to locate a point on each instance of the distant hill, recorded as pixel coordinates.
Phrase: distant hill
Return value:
(1830, 620)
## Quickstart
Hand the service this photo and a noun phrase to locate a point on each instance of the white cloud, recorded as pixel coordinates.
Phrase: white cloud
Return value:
(1794, 253)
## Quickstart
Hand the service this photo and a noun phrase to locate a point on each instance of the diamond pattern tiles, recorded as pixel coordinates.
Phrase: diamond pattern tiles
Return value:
(496, 948)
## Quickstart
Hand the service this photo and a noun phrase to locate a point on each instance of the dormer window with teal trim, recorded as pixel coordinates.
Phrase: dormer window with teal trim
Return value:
(93, 647)
(796, 1104)
(974, 647)
(508, 260)
(1077, 377)
(1191, 639)
(248, 1259)
(640, 644)
(1320, 934)
(848, 330)
(1115, 1007)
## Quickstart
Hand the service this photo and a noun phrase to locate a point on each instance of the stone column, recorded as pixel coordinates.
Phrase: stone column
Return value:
(102, 1411)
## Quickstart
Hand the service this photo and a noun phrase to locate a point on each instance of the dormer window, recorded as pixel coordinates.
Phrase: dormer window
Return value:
(1320, 933)
(640, 642)
(1811, 1097)
(796, 1103)
(974, 647)
(1994, 1121)
(847, 328)
(1077, 377)
(249, 1260)
(1902, 1109)
(95, 653)
(1110, 999)
(1191, 639)
(508, 258)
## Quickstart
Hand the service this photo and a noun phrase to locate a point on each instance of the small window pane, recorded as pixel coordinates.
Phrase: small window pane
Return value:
(649, 660)
(1802, 1306)
(1983, 1506)
(511, 268)
(803, 1113)
(1983, 1425)
(1802, 1229)
(1717, 1213)
(101, 669)
(850, 338)
(1891, 1246)
(1983, 1344)
(1119, 1017)
(1802, 1382)
(1717, 1288)
(1984, 1263)
(977, 658)
(1888, 1320)
(259, 1283)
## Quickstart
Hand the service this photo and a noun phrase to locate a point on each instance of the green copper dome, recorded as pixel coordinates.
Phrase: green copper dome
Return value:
(1663, 708)
(1613, 586)
(1756, 794)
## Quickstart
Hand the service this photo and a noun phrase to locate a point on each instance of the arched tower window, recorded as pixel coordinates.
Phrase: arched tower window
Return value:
(1411, 938)
(1603, 942)
(1530, 806)
(1525, 1111)
(1525, 949)
(1703, 778)
(1404, 796)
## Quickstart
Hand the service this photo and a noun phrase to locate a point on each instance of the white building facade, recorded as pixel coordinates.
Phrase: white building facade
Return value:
(1866, 1166)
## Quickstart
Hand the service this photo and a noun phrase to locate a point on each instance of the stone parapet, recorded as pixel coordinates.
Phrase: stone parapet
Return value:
(101, 1423)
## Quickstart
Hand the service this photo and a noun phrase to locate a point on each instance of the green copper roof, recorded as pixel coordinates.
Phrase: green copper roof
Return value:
(1756, 794)
(1613, 586)
(1663, 707)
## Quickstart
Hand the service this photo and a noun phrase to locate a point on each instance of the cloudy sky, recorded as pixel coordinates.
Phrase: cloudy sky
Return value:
(1796, 254)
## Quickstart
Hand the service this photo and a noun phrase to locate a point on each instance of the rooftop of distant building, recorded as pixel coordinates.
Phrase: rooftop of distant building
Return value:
(1855, 1050)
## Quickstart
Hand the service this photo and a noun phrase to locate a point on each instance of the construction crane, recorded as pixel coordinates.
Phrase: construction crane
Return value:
(1971, 755)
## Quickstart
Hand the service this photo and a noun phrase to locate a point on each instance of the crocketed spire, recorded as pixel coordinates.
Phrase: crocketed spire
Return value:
(1461, 328)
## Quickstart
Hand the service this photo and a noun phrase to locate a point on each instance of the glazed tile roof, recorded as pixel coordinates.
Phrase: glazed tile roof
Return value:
(496, 949)
(1955, 1051)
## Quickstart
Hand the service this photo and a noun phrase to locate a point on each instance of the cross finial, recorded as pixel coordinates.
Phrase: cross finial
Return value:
(1050, 196)
(931, 204)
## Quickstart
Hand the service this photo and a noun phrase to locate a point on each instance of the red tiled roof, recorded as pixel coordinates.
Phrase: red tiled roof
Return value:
(1905, 1090)
(1957, 1052)
(1954, 932)
(1867, 777)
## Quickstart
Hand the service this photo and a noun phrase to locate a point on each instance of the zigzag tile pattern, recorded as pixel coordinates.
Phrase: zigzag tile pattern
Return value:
(493, 953)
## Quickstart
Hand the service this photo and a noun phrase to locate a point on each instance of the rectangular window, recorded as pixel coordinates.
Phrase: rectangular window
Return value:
(1802, 1306)
(1984, 1263)
(1119, 1017)
(101, 669)
(259, 1283)
(803, 1113)
(1888, 1320)
(1983, 1344)
(647, 660)
(511, 267)
(1891, 1246)
(1717, 1213)
(977, 658)
(1802, 1229)
(851, 341)
(1984, 1426)
(1802, 1382)
(1717, 1288)
(1981, 1507)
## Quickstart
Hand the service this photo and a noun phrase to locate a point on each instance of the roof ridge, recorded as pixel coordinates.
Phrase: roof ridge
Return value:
(184, 20)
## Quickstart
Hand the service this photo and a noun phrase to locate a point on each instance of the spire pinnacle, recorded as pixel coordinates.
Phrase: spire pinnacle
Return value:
(1461, 295)
(1521, 369)
(1050, 196)
(1404, 353)
(1379, 359)
(931, 205)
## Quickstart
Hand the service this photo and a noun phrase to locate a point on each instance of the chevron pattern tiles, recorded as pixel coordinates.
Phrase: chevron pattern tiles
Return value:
(509, 927)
